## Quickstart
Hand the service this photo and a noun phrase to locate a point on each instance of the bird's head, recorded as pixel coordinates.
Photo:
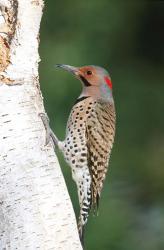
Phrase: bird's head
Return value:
(95, 80)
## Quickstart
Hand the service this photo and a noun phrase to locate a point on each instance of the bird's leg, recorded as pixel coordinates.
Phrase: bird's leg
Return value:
(49, 133)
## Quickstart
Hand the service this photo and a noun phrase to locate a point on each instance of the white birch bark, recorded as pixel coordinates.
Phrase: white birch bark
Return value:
(35, 208)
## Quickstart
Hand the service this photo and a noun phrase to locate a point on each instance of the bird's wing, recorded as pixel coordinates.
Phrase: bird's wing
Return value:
(100, 130)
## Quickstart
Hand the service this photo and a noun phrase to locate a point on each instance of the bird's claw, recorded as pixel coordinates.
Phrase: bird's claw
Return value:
(49, 133)
(45, 121)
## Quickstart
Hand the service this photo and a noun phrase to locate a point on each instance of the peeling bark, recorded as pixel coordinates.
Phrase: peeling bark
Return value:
(7, 30)
(35, 208)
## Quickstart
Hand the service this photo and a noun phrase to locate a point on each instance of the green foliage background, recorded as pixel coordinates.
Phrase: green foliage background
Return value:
(126, 38)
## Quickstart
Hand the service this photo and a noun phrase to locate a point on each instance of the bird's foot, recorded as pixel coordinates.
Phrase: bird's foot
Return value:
(49, 133)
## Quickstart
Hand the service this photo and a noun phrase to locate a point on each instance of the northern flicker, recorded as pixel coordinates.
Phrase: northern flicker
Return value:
(89, 136)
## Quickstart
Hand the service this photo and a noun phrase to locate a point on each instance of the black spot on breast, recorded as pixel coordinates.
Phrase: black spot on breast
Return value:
(95, 158)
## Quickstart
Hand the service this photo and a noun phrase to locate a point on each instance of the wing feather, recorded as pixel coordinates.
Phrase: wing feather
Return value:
(100, 130)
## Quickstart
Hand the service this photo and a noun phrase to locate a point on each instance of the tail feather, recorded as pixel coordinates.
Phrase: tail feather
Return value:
(81, 234)
(95, 202)
(84, 213)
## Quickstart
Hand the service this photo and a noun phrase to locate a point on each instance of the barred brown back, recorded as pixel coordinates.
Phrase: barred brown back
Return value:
(100, 130)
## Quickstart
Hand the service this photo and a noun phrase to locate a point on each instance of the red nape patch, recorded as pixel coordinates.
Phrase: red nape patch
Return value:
(108, 81)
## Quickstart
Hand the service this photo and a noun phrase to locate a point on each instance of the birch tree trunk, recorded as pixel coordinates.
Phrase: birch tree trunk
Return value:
(35, 208)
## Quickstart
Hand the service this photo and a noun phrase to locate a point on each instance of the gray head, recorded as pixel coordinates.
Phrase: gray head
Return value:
(96, 81)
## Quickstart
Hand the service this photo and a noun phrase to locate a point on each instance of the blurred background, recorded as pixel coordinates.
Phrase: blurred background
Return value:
(126, 38)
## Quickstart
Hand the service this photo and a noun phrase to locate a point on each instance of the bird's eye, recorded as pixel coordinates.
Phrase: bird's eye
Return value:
(89, 72)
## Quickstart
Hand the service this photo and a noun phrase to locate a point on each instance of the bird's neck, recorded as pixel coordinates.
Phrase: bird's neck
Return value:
(106, 92)
(103, 93)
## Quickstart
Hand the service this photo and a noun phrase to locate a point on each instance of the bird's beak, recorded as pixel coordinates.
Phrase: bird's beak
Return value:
(68, 68)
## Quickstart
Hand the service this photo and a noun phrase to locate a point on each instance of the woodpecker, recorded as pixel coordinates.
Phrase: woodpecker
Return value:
(89, 136)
